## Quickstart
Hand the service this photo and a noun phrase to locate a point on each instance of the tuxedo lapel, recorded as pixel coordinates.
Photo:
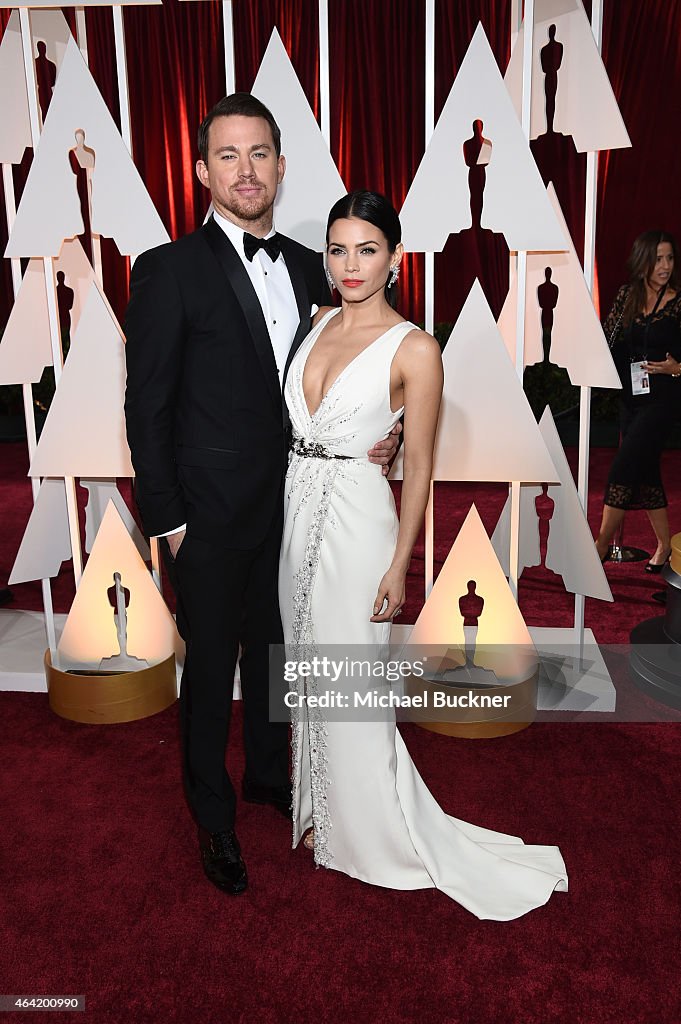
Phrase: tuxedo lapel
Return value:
(235, 273)
(301, 292)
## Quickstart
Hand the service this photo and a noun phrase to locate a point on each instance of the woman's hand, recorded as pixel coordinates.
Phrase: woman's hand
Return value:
(669, 366)
(390, 589)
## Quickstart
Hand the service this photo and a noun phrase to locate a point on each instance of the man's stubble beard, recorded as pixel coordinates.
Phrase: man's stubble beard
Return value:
(252, 210)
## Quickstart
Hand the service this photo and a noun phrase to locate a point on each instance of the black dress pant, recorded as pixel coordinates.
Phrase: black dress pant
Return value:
(227, 598)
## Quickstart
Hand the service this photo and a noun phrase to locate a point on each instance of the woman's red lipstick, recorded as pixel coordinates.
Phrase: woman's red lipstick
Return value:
(352, 282)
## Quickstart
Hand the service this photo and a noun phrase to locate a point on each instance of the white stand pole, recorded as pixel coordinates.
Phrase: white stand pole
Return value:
(514, 489)
(228, 41)
(324, 98)
(81, 32)
(589, 274)
(29, 412)
(122, 75)
(528, 45)
(126, 132)
(429, 282)
(516, 20)
(55, 334)
(69, 481)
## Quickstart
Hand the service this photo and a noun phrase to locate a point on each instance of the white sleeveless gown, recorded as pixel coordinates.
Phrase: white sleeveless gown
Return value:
(373, 816)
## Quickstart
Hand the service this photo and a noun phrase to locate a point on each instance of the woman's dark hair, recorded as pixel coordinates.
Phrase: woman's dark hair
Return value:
(641, 264)
(241, 104)
(374, 209)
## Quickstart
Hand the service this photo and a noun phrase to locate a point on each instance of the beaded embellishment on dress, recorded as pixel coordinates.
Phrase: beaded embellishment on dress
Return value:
(302, 649)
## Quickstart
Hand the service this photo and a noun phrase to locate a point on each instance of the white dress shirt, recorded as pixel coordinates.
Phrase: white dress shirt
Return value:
(275, 293)
(273, 287)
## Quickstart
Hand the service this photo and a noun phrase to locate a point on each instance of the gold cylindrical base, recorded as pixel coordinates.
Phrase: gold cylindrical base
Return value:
(105, 699)
(478, 723)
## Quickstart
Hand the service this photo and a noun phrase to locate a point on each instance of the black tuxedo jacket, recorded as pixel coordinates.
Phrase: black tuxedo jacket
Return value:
(206, 424)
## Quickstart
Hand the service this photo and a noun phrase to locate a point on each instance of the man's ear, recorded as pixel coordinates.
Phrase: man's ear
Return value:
(202, 173)
(281, 167)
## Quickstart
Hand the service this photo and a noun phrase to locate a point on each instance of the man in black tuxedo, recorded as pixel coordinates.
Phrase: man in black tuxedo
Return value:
(212, 322)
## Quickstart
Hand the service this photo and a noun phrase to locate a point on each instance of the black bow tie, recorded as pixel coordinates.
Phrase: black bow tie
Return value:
(272, 246)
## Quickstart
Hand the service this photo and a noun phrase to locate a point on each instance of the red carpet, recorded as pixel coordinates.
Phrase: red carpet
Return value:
(104, 896)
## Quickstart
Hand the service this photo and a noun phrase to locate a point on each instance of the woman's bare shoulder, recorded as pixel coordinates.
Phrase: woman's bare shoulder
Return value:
(419, 344)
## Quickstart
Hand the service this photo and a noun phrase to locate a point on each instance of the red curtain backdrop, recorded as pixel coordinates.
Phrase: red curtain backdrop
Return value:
(639, 187)
(176, 72)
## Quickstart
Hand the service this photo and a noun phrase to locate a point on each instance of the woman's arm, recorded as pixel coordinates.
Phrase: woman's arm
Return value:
(419, 362)
(613, 319)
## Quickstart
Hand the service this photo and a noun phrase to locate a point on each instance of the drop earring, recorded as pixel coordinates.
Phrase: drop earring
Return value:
(394, 274)
(332, 283)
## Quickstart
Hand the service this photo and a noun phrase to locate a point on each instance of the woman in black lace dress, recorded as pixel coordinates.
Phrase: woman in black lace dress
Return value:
(644, 326)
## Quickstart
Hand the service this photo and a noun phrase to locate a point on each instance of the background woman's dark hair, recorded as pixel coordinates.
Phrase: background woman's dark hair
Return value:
(374, 209)
(641, 264)
(241, 104)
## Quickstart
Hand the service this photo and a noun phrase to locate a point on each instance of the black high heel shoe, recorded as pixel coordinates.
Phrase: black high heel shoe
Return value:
(656, 568)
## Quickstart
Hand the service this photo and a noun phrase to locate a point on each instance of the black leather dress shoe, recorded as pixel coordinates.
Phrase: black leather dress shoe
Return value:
(222, 860)
(276, 796)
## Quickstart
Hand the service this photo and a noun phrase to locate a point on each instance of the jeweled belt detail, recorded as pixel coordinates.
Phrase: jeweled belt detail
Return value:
(313, 450)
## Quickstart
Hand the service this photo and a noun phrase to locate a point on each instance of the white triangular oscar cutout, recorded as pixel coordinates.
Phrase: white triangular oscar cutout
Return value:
(50, 209)
(15, 128)
(25, 348)
(515, 203)
(586, 107)
(84, 433)
(312, 183)
(503, 642)
(49, 27)
(577, 339)
(46, 542)
(100, 493)
(78, 275)
(570, 550)
(486, 429)
(90, 630)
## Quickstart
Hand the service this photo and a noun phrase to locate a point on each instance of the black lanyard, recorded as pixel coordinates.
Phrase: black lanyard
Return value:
(647, 320)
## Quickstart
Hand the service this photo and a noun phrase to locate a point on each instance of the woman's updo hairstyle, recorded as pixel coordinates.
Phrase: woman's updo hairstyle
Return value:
(374, 209)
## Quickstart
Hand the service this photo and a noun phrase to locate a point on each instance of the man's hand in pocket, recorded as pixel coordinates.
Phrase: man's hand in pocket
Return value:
(175, 542)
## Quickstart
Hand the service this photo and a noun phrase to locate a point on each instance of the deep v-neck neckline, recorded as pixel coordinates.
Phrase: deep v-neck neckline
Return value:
(322, 325)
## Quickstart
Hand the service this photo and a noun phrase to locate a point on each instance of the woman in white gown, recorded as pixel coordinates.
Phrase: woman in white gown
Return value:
(342, 578)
